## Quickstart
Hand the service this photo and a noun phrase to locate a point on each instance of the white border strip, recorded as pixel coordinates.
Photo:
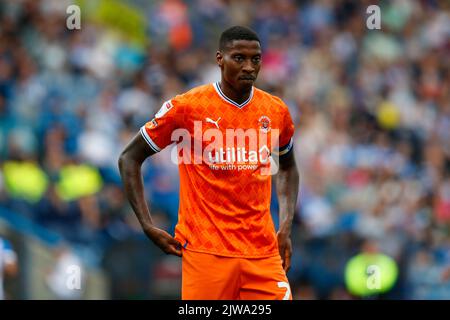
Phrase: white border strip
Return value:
(149, 140)
(223, 96)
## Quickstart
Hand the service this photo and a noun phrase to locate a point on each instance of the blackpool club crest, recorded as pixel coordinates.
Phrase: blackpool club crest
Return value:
(264, 124)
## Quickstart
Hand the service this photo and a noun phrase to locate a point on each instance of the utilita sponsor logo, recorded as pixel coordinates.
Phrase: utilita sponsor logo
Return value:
(239, 155)
(224, 148)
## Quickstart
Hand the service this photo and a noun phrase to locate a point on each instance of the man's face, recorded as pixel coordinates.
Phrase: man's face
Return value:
(240, 63)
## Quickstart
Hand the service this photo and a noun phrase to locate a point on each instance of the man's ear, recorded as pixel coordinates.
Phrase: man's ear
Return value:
(219, 59)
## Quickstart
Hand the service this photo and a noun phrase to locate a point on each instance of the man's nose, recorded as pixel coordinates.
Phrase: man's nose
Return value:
(248, 67)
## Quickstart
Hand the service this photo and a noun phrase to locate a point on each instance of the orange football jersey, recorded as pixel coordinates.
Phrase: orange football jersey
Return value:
(224, 152)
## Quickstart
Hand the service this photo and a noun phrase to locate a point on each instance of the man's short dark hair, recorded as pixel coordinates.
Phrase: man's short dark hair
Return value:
(236, 33)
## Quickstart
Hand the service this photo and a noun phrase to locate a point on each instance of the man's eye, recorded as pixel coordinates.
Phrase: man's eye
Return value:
(256, 59)
(238, 58)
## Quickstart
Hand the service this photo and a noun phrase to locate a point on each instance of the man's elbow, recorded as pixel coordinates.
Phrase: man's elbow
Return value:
(123, 160)
(128, 161)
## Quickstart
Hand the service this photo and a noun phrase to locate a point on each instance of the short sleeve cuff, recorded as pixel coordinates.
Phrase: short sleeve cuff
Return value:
(149, 140)
(285, 149)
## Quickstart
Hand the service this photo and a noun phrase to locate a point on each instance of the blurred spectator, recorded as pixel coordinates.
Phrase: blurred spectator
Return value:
(66, 279)
(370, 273)
(8, 263)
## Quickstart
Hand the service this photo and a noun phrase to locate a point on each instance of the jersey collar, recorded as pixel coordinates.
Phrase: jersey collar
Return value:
(224, 97)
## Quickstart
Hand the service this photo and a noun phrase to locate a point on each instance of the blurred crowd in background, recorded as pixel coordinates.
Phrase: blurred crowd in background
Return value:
(371, 108)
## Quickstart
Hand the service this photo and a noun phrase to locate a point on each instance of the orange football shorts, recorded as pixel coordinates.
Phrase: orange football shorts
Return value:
(211, 277)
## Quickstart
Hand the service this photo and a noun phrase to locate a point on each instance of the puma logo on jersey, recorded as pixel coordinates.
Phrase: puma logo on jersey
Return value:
(216, 123)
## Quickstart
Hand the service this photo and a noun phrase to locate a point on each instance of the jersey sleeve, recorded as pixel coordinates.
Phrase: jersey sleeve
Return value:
(158, 131)
(286, 133)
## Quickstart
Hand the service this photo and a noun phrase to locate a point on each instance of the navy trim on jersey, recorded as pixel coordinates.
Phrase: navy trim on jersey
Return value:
(285, 149)
(223, 96)
(149, 141)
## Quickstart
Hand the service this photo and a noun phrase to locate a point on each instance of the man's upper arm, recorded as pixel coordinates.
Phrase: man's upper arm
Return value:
(137, 149)
(286, 142)
(157, 133)
(287, 160)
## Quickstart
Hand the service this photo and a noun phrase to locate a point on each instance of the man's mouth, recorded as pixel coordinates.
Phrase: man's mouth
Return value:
(247, 78)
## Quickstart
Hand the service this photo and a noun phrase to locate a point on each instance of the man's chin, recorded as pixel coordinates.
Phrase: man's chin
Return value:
(245, 84)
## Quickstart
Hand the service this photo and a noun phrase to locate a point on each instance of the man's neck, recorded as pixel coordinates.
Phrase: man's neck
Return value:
(238, 97)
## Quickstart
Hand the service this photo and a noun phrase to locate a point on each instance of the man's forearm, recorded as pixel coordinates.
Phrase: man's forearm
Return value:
(130, 163)
(287, 181)
(130, 171)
